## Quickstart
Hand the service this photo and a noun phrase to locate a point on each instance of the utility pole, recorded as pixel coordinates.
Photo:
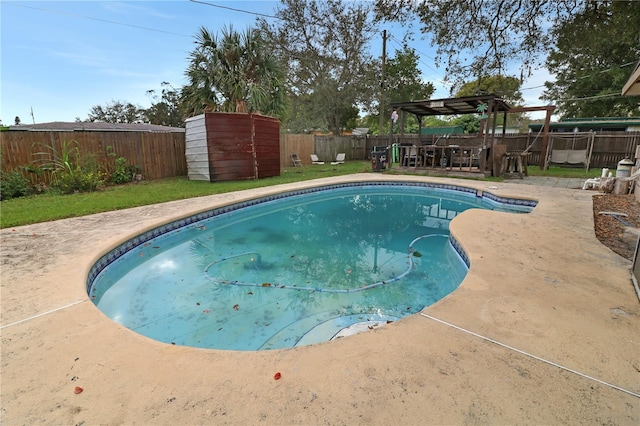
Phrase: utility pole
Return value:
(382, 83)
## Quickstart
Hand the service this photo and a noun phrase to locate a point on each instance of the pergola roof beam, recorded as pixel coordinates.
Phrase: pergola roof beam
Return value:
(451, 106)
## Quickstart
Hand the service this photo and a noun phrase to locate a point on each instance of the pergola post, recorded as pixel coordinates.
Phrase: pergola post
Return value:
(545, 136)
(545, 140)
(462, 105)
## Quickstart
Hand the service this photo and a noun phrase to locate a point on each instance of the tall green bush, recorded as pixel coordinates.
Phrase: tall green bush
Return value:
(71, 171)
(123, 172)
(13, 184)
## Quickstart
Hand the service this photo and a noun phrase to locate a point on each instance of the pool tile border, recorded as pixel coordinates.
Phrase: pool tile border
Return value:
(140, 239)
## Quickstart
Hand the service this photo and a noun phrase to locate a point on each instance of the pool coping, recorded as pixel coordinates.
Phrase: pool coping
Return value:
(540, 283)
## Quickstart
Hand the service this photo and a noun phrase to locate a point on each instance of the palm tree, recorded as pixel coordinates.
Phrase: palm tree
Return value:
(233, 73)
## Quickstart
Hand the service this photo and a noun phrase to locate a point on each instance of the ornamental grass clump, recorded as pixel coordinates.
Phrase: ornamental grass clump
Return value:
(70, 171)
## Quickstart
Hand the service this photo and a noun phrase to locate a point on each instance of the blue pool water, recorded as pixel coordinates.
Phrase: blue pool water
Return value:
(291, 270)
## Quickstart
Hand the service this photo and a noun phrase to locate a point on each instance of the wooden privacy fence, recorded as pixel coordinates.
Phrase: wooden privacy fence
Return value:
(155, 155)
(302, 145)
(328, 147)
(325, 147)
(609, 149)
(161, 155)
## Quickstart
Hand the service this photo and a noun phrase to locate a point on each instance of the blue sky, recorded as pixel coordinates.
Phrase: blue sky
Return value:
(60, 58)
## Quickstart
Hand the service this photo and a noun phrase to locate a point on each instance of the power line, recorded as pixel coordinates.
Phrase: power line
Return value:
(442, 81)
(607, 70)
(100, 20)
(139, 26)
(532, 87)
(392, 37)
(586, 98)
(234, 9)
(587, 76)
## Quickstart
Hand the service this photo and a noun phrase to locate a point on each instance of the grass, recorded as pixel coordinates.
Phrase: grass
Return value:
(564, 172)
(47, 207)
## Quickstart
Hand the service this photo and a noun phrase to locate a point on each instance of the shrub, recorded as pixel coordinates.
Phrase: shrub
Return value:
(79, 181)
(123, 173)
(13, 184)
(70, 170)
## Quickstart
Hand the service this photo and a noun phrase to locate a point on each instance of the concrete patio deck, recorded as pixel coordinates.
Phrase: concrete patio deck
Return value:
(554, 182)
(545, 329)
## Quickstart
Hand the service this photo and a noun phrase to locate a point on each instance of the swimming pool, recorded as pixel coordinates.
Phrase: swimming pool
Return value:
(291, 269)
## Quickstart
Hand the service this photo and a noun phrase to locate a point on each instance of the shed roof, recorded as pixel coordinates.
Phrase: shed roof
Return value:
(451, 106)
(62, 126)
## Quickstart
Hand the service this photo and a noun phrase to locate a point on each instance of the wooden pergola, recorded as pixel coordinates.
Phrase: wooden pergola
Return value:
(487, 105)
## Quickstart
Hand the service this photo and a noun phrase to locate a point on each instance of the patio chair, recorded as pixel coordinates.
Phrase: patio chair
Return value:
(339, 158)
(315, 159)
(411, 157)
(297, 162)
(473, 157)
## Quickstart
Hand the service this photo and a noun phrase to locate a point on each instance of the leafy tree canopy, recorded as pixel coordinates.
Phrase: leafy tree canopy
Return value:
(117, 112)
(165, 109)
(477, 38)
(594, 55)
(589, 45)
(235, 72)
(325, 46)
(404, 82)
(469, 122)
(404, 79)
(507, 88)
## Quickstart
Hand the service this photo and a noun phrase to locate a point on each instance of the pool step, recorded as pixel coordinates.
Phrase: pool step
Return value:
(323, 327)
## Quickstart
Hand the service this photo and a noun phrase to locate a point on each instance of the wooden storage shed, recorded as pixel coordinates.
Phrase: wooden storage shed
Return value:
(232, 146)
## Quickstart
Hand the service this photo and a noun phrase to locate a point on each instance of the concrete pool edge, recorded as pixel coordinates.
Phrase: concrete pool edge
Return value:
(572, 298)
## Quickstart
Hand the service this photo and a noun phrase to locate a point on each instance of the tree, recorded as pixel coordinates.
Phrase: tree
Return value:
(404, 82)
(117, 112)
(302, 116)
(592, 59)
(17, 121)
(324, 45)
(478, 38)
(469, 122)
(505, 87)
(235, 72)
(165, 110)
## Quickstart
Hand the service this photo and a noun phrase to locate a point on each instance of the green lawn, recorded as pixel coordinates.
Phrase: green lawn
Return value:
(47, 207)
(565, 172)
